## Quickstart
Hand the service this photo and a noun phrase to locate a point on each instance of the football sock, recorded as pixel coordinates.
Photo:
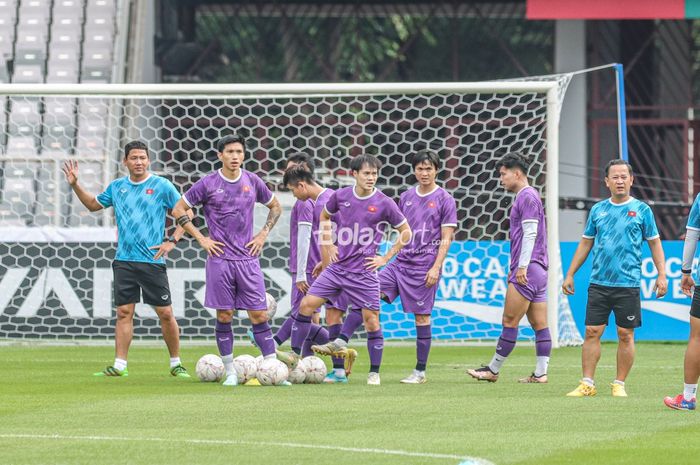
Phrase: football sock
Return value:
(228, 364)
(689, 391)
(263, 338)
(423, 340)
(284, 331)
(375, 347)
(300, 331)
(175, 361)
(224, 338)
(352, 321)
(333, 333)
(119, 364)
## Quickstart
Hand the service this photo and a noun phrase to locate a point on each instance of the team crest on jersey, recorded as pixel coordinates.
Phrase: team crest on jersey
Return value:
(372, 209)
(632, 213)
(149, 191)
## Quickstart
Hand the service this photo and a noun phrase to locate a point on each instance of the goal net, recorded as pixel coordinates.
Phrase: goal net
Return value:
(55, 273)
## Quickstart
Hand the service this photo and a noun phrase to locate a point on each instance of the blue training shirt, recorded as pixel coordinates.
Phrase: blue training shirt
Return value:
(140, 209)
(694, 218)
(619, 231)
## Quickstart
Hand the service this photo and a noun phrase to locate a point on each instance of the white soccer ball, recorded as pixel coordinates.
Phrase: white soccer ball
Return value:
(210, 368)
(298, 375)
(315, 369)
(246, 367)
(271, 305)
(272, 372)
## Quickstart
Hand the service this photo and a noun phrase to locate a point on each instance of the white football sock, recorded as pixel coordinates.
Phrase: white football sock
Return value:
(228, 364)
(542, 365)
(689, 391)
(120, 364)
(175, 361)
(496, 363)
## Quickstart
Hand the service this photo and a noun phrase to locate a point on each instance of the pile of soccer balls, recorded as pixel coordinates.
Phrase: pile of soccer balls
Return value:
(269, 372)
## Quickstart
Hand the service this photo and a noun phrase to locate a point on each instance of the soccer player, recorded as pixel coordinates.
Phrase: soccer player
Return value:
(362, 214)
(432, 216)
(234, 279)
(615, 231)
(527, 279)
(140, 202)
(300, 240)
(302, 184)
(691, 368)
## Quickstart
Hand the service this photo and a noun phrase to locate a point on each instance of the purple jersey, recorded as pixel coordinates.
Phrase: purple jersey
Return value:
(228, 208)
(315, 246)
(527, 208)
(301, 214)
(361, 222)
(426, 214)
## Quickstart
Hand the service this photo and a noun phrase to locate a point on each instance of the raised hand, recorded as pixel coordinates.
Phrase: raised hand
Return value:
(70, 169)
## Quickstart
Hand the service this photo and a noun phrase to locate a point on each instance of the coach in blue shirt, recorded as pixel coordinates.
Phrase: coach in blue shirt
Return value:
(616, 230)
(140, 201)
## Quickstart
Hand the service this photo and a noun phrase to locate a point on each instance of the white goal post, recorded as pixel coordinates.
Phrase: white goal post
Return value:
(332, 121)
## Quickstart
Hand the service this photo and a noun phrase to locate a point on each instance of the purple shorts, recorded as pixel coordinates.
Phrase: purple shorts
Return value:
(409, 284)
(536, 288)
(297, 295)
(234, 284)
(360, 288)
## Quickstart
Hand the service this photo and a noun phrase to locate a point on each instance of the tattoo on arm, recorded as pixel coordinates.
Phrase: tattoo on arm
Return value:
(272, 218)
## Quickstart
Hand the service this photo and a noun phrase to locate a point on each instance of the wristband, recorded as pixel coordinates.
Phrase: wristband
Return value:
(686, 271)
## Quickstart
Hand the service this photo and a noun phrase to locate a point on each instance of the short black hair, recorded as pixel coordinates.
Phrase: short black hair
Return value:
(426, 155)
(359, 161)
(135, 145)
(302, 158)
(618, 161)
(514, 160)
(230, 139)
(293, 176)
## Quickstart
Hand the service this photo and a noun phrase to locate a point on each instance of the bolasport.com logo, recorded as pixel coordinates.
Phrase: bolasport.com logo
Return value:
(364, 236)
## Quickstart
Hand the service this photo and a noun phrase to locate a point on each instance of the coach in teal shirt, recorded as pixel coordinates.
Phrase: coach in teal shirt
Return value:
(140, 201)
(616, 229)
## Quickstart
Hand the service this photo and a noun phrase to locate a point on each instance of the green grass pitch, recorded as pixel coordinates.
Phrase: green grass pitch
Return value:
(52, 411)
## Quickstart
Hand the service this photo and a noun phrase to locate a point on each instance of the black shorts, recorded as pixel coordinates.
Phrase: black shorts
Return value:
(625, 302)
(695, 305)
(133, 278)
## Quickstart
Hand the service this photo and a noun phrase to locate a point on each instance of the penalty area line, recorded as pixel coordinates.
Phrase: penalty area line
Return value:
(232, 442)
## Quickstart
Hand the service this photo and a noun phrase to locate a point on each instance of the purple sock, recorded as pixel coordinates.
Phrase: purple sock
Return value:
(506, 343)
(317, 335)
(375, 347)
(423, 339)
(543, 343)
(333, 333)
(351, 323)
(224, 338)
(284, 331)
(300, 331)
(263, 338)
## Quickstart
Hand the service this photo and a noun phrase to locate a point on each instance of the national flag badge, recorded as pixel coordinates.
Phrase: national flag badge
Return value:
(431, 204)
(246, 188)
(372, 209)
(149, 191)
(632, 213)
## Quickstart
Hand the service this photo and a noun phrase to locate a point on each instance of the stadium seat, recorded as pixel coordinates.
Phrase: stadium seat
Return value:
(28, 74)
(18, 189)
(62, 75)
(21, 146)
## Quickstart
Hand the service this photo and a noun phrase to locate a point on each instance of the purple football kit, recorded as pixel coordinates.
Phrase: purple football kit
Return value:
(234, 279)
(528, 207)
(361, 223)
(427, 214)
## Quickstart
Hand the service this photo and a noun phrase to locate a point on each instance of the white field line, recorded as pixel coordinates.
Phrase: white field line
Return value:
(227, 442)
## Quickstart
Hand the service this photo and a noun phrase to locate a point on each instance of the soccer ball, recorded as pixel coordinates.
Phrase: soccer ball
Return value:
(298, 375)
(210, 368)
(315, 370)
(272, 372)
(271, 305)
(245, 367)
